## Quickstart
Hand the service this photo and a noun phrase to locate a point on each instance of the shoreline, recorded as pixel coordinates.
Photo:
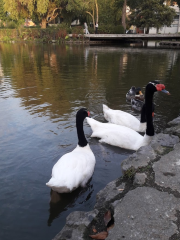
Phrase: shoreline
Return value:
(144, 202)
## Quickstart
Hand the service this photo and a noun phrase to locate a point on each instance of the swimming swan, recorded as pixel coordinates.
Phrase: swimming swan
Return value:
(74, 169)
(126, 119)
(125, 137)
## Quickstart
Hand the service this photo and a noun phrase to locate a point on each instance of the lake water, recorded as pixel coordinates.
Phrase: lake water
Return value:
(41, 89)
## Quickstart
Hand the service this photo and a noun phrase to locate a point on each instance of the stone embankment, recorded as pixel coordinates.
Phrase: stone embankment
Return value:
(144, 203)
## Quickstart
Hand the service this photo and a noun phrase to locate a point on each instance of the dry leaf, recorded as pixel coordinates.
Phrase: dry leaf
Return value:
(107, 217)
(94, 230)
(121, 189)
(101, 235)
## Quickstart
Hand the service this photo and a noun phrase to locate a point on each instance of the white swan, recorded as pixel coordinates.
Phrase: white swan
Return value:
(125, 137)
(74, 169)
(125, 119)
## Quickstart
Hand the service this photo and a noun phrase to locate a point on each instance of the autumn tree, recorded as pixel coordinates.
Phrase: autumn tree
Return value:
(46, 10)
(151, 13)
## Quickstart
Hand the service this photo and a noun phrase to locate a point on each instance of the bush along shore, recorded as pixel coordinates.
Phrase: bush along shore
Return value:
(142, 204)
(62, 33)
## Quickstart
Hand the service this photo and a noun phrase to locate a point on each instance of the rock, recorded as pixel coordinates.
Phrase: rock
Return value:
(173, 130)
(76, 224)
(139, 159)
(139, 178)
(174, 122)
(165, 140)
(167, 170)
(108, 194)
(145, 213)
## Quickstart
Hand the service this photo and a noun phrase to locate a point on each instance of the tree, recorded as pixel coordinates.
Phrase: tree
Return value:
(46, 10)
(3, 14)
(151, 13)
(84, 7)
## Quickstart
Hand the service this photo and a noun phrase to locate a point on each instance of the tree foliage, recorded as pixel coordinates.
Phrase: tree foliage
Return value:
(3, 15)
(45, 9)
(151, 13)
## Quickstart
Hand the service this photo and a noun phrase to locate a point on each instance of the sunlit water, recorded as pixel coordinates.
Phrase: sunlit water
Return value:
(41, 89)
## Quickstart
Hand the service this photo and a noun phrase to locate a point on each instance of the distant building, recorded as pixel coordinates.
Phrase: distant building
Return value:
(175, 26)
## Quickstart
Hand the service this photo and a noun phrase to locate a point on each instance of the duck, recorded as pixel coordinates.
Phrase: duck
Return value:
(137, 104)
(74, 169)
(134, 92)
(122, 136)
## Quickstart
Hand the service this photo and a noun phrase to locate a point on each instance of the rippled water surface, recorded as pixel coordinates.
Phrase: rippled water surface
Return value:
(41, 89)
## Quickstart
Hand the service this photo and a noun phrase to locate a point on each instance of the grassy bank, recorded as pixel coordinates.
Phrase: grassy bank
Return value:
(52, 33)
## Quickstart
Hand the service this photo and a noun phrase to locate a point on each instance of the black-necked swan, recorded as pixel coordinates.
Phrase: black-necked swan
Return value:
(74, 169)
(134, 92)
(125, 137)
(126, 119)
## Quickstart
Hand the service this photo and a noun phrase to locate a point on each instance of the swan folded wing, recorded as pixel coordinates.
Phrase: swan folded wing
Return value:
(122, 118)
(73, 169)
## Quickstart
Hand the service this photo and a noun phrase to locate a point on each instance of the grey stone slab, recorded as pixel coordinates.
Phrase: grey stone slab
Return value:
(174, 122)
(139, 178)
(165, 140)
(145, 213)
(175, 130)
(76, 224)
(167, 170)
(108, 194)
(139, 159)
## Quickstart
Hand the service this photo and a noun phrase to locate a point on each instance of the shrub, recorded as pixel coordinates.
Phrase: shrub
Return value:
(77, 30)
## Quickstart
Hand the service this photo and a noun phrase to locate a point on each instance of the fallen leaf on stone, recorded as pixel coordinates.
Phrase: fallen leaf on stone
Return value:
(121, 189)
(101, 235)
(110, 227)
(94, 230)
(107, 217)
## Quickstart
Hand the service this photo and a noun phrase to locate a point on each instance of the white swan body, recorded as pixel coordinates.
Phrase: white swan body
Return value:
(72, 170)
(122, 118)
(117, 135)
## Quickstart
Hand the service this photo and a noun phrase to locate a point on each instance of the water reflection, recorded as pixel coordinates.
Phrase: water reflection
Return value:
(60, 202)
(41, 89)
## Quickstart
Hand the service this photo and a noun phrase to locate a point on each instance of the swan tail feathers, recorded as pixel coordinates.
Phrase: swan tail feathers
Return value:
(105, 108)
(93, 123)
(54, 184)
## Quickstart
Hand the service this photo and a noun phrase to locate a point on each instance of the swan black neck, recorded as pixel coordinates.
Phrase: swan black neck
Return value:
(149, 93)
(80, 116)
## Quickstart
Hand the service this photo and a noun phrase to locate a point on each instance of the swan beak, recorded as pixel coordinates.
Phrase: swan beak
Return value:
(165, 91)
(152, 114)
(88, 114)
(140, 93)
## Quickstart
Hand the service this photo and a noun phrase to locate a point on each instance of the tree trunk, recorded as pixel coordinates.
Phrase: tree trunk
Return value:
(124, 15)
(97, 14)
(43, 23)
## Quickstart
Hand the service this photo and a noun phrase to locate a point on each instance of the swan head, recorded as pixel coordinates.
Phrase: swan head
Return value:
(157, 86)
(82, 114)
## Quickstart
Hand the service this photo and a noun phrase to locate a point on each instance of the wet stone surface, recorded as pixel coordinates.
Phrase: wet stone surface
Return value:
(167, 170)
(145, 213)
